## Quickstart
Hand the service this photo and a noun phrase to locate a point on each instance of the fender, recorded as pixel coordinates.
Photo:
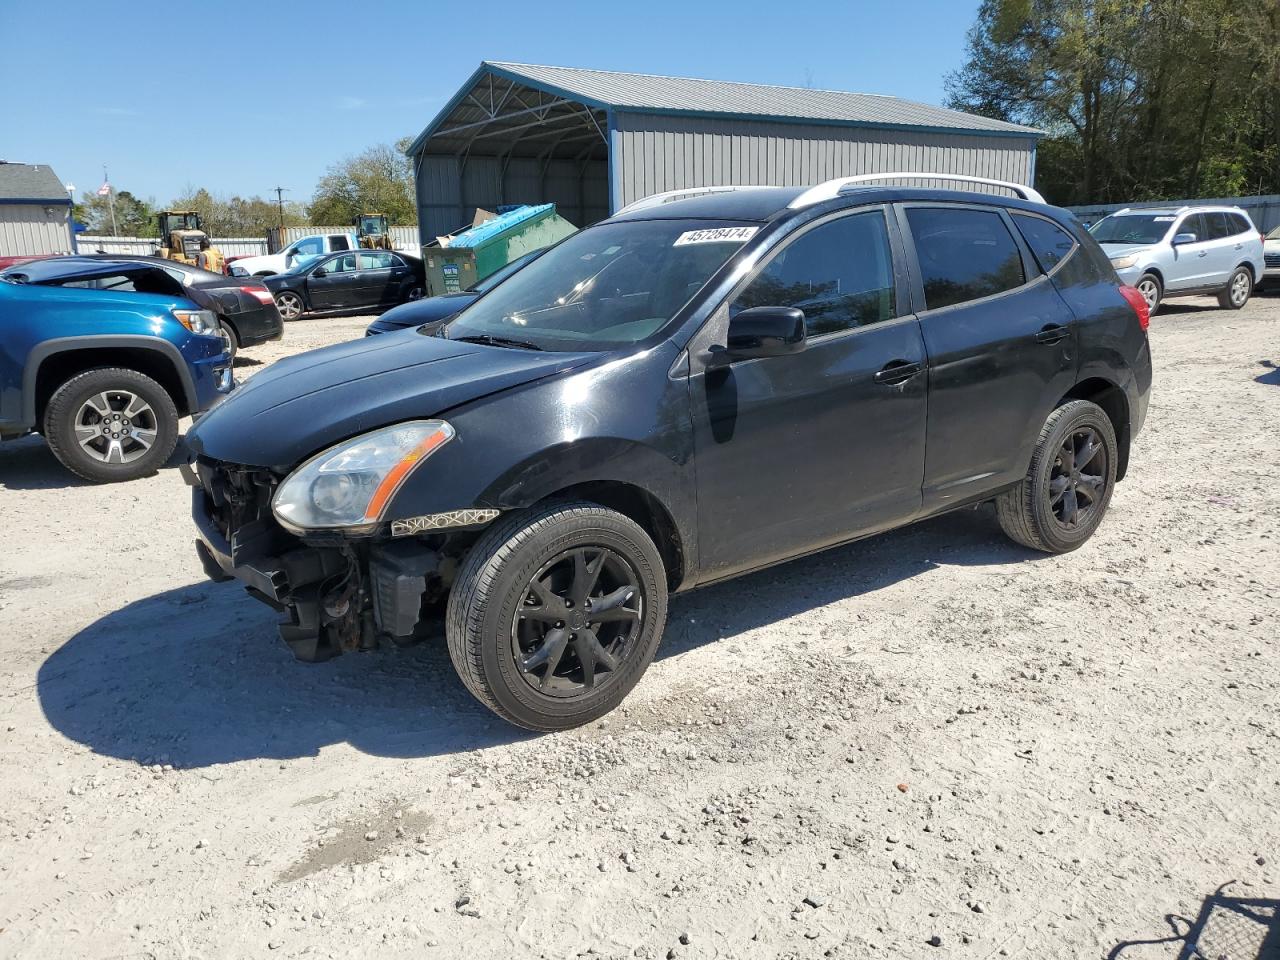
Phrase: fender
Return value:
(48, 348)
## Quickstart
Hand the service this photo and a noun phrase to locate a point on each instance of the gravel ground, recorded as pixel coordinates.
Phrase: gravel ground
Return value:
(931, 743)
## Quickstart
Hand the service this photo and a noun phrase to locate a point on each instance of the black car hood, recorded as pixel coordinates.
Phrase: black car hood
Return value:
(418, 312)
(305, 403)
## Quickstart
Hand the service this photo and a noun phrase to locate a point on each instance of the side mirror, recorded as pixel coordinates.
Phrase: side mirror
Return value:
(1182, 238)
(319, 272)
(765, 332)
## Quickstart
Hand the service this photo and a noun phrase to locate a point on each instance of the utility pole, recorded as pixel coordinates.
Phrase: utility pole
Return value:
(280, 192)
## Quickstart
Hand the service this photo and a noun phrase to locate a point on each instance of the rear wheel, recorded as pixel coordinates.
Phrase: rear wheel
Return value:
(1062, 499)
(289, 304)
(111, 424)
(1237, 291)
(1152, 291)
(556, 614)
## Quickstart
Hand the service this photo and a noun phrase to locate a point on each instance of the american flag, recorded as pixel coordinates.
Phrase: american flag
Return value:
(105, 189)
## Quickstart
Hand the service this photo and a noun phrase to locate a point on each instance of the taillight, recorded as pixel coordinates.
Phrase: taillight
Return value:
(261, 294)
(1139, 304)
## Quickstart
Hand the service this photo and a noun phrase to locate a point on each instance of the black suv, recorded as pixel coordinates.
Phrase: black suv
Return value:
(696, 388)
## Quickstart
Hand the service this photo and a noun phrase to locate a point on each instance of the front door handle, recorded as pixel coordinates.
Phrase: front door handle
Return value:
(1203, 253)
(897, 371)
(1053, 333)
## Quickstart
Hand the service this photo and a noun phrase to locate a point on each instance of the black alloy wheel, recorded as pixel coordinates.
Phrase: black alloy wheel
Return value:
(1078, 478)
(578, 622)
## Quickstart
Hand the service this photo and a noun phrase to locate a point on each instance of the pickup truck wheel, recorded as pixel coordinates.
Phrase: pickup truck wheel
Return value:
(1236, 293)
(556, 614)
(1060, 502)
(111, 424)
(289, 304)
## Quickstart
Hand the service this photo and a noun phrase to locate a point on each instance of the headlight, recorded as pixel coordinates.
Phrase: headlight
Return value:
(350, 485)
(1120, 263)
(197, 321)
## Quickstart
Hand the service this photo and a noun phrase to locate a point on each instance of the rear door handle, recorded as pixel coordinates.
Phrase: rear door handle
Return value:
(1053, 333)
(897, 371)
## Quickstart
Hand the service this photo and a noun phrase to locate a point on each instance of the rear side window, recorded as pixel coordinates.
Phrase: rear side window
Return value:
(1048, 241)
(840, 274)
(964, 254)
(1217, 225)
(1240, 223)
(339, 242)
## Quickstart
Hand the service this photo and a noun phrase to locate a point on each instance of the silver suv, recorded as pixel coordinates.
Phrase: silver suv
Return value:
(1184, 251)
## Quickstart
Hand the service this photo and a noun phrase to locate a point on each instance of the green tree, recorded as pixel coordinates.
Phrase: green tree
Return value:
(379, 180)
(237, 216)
(135, 217)
(1140, 99)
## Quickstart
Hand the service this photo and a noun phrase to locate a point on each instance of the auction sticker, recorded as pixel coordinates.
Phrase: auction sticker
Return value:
(716, 235)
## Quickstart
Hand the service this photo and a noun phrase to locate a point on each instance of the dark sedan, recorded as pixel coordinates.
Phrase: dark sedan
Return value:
(434, 309)
(348, 280)
(245, 308)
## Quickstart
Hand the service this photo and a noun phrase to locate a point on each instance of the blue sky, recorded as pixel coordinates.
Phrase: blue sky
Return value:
(239, 97)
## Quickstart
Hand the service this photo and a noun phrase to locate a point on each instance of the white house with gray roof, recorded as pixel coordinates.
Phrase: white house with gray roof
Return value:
(592, 141)
(35, 211)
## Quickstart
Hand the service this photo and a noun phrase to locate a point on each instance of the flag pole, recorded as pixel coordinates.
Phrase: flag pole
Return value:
(111, 199)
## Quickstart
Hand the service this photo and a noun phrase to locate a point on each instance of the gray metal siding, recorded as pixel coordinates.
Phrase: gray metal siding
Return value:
(31, 229)
(449, 191)
(656, 153)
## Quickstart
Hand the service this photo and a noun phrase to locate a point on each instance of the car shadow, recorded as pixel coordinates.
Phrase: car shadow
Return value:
(1241, 928)
(195, 676)
(28, 464)
(1272, 376)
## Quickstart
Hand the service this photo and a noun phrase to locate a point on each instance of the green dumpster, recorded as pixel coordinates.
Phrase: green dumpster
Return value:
(477, 252)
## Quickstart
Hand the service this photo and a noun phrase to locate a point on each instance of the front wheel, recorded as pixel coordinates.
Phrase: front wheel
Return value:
(289, 304)
(1238, 289)
(1060, 502)
(1152, 291)
(556, 614)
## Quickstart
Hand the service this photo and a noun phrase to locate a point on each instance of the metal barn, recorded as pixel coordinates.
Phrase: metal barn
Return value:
(35, 211)
(591, 141)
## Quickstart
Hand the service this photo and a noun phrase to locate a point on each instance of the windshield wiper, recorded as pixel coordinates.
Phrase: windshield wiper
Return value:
(498, 341)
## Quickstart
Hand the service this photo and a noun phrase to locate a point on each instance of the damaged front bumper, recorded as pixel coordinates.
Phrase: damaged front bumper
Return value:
(337, 594)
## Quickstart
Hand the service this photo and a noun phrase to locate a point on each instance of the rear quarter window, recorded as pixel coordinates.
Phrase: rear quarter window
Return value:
(964, 254)
(1048, 242)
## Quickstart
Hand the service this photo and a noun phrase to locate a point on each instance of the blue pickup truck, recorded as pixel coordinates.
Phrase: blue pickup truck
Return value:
(102, 358)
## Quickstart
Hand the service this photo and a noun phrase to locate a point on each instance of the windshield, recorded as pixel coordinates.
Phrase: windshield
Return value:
(1274, 234)
(495, 278)
(1133, 228)
(603, 288)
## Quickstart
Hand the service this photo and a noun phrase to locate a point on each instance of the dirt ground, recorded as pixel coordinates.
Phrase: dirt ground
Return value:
(929, 744)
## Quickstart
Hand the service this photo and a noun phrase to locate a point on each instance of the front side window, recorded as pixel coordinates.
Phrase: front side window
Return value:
(964, 254)
(840, 274)
(1136, 228)
(343, 264)
(1193, 223)
(1048, 241)
(603, 288)
(308, 246)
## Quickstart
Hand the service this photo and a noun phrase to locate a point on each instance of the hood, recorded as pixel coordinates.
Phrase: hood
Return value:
(1116, 250)
(418, 312)
(305, 403)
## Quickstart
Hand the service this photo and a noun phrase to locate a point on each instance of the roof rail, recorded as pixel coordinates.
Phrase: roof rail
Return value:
(657, 199)
(832, 188)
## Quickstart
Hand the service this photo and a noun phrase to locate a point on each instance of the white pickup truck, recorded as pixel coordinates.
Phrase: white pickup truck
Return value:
(282, 261)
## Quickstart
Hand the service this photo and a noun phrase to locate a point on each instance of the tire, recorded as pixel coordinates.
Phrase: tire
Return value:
(1237, 291)
(231, 337)
(1152, 290)
(490, 618)
(81, 415)
(1031, 513)
(290, 305)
